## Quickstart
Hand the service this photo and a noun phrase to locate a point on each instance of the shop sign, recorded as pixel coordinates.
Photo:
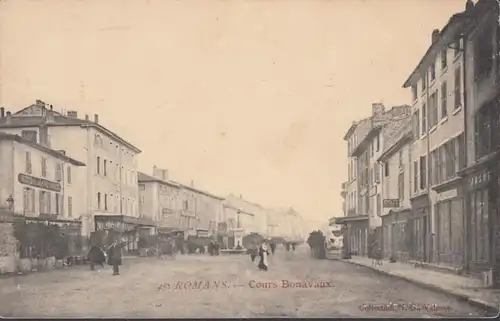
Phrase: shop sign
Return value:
(391, 203)
(166, 211)
(39, 182)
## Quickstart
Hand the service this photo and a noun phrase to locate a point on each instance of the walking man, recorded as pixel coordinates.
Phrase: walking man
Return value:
(115, 257)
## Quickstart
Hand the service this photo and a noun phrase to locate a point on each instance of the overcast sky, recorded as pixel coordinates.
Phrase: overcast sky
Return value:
(249, 97)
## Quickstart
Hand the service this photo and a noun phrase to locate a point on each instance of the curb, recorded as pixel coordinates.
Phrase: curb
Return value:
(490, 308)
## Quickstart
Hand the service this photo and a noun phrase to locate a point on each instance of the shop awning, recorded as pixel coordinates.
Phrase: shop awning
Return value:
(140, 221)
(349, 219)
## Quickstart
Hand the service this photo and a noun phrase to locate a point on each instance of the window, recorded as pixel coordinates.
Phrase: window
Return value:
(424, 119)
(450, 159)
(416, 124)
(486, 140)
(378, 142)
(441, 164)
(28, 200)
(414, 92)
(105, 202)
(423, 172)
(379, 205)
(444, 105)
(433, 110)
(424, 82)
(372, 177)
(401, 186)
(41, 202)
(400, 159)
(58, 204)
(376, 170)
(372, 148)
(460, 141)
(186, 205)
(432, 169)
(142, 187)
(456, 48)
(386, 169)
(44, 167)
(104, 167)
(433, 71)
(444, 58)
(98, 164)
(483, 52)
(99, 201)
(30, 135)
(28, 168)
(435, 167)
(58, 172)
(415, 176)
(458, 85)
(68, 174)
(70, 206)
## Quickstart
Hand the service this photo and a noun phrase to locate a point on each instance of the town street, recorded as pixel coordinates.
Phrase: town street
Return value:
(177, 288)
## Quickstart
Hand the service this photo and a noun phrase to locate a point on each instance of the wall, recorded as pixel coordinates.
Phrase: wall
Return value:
(8, 249)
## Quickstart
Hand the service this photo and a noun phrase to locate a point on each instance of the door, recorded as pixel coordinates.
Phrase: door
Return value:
(425, 238)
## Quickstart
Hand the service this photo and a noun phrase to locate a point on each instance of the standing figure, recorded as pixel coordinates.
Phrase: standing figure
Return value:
(96, 257)
(293, 247)
(115, 257)
(263, 253)
(273, 247)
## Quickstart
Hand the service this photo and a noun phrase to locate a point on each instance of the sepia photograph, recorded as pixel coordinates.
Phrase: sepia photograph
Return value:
(249, 159)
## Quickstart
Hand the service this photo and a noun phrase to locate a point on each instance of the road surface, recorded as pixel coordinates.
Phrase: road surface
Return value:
(224, 286)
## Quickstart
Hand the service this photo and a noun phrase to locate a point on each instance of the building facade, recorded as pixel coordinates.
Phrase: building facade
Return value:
(37, 185)
(108, 182)
(438, 146)
(396, 189)
(482, 131)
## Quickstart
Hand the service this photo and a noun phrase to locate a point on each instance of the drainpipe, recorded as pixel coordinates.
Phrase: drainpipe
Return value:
(429, 234)
(465, 203)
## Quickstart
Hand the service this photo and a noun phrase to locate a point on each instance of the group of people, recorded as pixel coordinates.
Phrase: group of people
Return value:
(113, 255)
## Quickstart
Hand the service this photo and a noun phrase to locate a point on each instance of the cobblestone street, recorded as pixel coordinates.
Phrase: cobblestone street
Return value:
(236, 288)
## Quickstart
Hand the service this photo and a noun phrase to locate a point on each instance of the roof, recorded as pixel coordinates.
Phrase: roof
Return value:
(238, 209)
(50, 151)
(145, 178)
(432, 51)
(351, 130)
(59, 120)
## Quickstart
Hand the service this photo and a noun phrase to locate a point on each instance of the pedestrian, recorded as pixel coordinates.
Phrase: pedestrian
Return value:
(273, 247)
(263, 253)
(115, 257)
(96, 256)
(293, 247)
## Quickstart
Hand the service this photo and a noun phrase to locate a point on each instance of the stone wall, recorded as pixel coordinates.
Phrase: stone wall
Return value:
(8, 249)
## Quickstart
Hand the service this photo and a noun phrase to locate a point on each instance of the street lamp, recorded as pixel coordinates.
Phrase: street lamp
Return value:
(10, 202)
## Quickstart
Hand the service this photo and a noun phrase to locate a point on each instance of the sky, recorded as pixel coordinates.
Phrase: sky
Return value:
(244, 97)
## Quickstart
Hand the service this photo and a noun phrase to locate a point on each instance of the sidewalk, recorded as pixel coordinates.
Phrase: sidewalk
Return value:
(462, 287)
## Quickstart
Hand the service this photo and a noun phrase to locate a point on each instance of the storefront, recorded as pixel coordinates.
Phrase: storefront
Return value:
(449, 225)
(356, 234)
(418, 229)
(124, 228)
(394, 234)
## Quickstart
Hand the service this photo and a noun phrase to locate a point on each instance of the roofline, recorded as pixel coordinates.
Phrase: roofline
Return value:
(454, 18)
(50, 151)
(350, 131)
(395, 147)
(237, 209)
(201, 192)
(83, 125)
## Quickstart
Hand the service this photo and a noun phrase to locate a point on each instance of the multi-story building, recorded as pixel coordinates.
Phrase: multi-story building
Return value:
(365, 149)
(38, 184)
(438, 123)
(482, 132)
(109, 181)
(395, 157)
(173, 205)
(255, 219)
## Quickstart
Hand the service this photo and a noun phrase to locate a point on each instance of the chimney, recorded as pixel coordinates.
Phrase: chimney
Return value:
(40, 103)
(164, 174)
(469, 5)
(435, 35)
(2, 112)
(377, 109)
(96, 118)
(49, 116)
(51, 107)
(9, 117)
(62, 152)
(87, 117)
(72, 114)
